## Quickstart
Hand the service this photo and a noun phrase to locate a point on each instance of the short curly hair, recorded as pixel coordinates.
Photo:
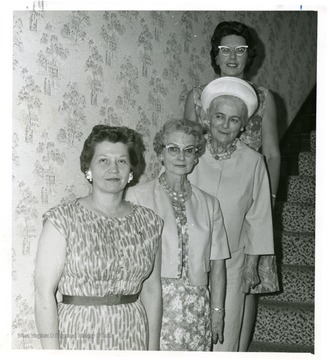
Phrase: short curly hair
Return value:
(226, 28)
(188, 127)
(115, 134)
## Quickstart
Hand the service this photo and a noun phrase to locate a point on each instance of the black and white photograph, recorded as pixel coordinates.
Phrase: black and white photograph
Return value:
(164, 176)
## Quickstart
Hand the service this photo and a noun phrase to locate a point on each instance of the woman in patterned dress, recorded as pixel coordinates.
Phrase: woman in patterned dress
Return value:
(230, 58)
(194, 242)
(103, 255)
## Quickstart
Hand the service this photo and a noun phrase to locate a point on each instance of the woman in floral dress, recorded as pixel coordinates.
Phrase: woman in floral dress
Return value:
(194, 243)
(103, 255)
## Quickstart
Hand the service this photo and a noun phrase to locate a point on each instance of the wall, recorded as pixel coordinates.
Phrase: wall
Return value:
(72, 70)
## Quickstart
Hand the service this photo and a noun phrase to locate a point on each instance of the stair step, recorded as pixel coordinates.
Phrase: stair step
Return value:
(257, 346)
(285, 323)
(307, 163)
(297, 284)
(294, 217)
(297, 189)
(301, 189)
(313, 141)
(295, 248)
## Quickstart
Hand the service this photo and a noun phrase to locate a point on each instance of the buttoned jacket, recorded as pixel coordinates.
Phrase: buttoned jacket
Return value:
(241, 185)
(206, 231)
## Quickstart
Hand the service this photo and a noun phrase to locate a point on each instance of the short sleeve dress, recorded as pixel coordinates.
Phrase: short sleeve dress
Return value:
(252, 136)
(105, 256)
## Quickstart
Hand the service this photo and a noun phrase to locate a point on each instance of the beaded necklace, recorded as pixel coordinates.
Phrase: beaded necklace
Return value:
(224, 156)
(180, 197)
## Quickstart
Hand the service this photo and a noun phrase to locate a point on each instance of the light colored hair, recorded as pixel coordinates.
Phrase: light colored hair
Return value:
(244, 115)
(185, 126)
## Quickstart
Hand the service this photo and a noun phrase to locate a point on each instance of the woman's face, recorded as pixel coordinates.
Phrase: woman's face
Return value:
(226, 116)
(232, 65)
(176, 161)
(110, 167)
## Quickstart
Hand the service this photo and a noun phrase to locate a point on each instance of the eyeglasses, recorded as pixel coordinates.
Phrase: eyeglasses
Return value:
(238, 50)
(174, 150)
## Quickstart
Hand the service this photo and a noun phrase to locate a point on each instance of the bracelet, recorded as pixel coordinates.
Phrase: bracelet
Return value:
(218, 309)
(273, 196)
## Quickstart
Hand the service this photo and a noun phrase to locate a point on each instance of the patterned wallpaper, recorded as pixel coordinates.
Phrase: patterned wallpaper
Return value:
(72, 70)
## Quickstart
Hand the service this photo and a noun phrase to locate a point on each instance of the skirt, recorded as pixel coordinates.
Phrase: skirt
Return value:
(186, 322)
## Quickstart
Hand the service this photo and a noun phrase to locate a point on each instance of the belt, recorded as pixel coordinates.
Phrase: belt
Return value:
(108, 300)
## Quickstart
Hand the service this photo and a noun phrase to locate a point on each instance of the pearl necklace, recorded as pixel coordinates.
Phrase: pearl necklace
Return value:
(224, 156)
(180, 197)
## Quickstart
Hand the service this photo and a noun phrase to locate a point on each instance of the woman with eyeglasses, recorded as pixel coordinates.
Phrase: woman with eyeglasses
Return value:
(194, 243)
(233, 50)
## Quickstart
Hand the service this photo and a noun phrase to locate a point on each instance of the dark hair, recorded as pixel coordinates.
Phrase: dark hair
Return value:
(226, 28)
(188, 127)
(115, 134)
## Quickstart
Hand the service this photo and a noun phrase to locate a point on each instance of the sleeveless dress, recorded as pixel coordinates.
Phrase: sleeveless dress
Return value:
(105, 256)
(186, 317)
(252, 137)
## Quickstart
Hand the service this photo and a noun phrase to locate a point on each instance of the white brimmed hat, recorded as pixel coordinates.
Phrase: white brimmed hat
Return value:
(233, 86)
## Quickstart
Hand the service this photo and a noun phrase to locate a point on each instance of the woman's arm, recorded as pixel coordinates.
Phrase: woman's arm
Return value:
(270, 143)
(152, 301)
(218, 292)
(189, 112)
(50, 261)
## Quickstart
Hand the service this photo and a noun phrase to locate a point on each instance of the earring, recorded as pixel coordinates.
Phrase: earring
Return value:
(88, 175)
(130, 178)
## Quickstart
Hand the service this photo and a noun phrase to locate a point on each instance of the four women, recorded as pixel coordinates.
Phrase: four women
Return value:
(103, 252)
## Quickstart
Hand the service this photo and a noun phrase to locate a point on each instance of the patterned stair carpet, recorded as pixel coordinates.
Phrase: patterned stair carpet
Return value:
(285, 320)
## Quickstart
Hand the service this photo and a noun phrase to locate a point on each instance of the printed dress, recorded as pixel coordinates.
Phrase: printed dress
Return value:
(105, 256)
(252, 137)
(186, 308)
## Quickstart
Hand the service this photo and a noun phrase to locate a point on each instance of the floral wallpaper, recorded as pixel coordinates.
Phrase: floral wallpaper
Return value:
(75, 69)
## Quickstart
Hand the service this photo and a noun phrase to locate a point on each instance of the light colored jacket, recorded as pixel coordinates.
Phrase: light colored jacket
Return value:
(207, 236)
(241, 185)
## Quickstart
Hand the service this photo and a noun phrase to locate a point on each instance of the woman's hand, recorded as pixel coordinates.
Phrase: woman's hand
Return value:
(250, 276)
(217, 325)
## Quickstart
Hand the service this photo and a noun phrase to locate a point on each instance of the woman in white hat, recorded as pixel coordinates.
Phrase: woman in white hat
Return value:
(233, 50)
(237, 176)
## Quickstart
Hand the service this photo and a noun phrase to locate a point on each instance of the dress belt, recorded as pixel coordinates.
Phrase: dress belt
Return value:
(108, 300)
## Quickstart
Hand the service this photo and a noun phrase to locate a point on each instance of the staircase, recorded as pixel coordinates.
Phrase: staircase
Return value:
(285, 320)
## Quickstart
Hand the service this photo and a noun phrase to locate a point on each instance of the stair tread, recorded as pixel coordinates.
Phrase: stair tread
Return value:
(262, 346)
(294, 216)
(285, 322)
(307, 268)
(296, 284)
(285, 305)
